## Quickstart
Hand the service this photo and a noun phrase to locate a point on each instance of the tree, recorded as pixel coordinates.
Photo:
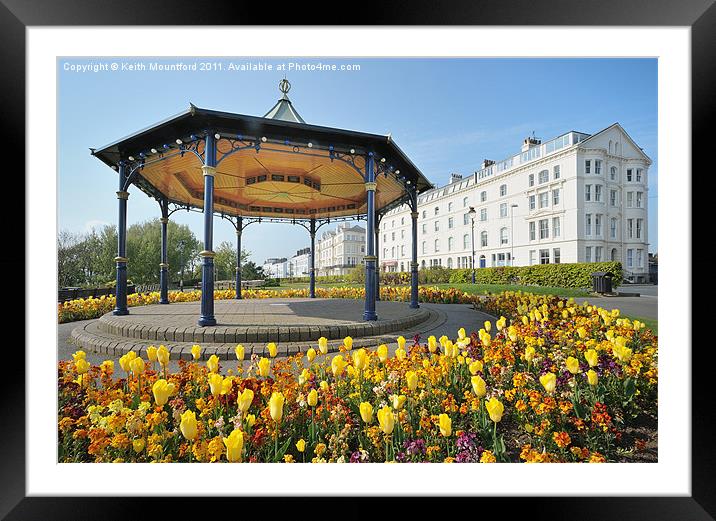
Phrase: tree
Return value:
(225, 262)
(251, 271)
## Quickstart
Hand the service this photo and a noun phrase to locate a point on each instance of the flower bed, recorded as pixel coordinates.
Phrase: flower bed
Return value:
(83, 309)
(554, 382)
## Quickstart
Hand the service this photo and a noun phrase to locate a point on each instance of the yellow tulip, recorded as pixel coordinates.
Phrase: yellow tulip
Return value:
(529, 354)
(324, 385)
(124, 362)
(590, 355)
(475, 367)
(152, 353)
(348, 342)
(386, 419)
(338, 365)
(162, 390)
(488, 326)
(592, 377)
(572, 365)
(138, 445)
(478, 386)
(398, 401)
(366, 412)
(216, 381)
(301, 445)
(360, 359)
(276, 406)
(226, 384)
(137, 366)
(264, 367)
(188, 425)
(311, 355)
(512, 333)
(272, 349)
(163, 355)
(312, 397)
(461, 333)
(383, 352)
(350, 370)
(213, 363)
(240, 352)
(82, 365)
(244, 400)
(495, 409)
(401, 342)
(304, 376)
(549, 382)
(412, 380)
(400, 353)
(432, 344)
(445, 425)
(323, 345)
(581, 332)
(196, 351)
(234, 445)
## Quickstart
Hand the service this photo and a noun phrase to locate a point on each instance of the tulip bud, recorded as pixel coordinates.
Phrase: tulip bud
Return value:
(250, 420)
(400, 354)
(244, 400)
(549, 382)
(264, 366)
(475, 367)
(82, 365)
(445, 425)
(163, 355)
(432, 344)
(152, 353)
(386, 419)
(323, 345)
(137, 366)
(366, 412)
(196, 351)
(461, 333)
(529, 354)
(311, 355)
(324, 385)
(301, 445)
(312, 397)
(572, 365)
(348, 343)
(276, 406)
(360, 359)
(138, 445)
(272, 349)
(590, 355)
(478, 386)
(239, 351)
(188, 425)
(337, 365)
(398, 401)
(226, 384)
(124, 363)
(592, 377)
(234, 445)
(488, 326)
(383, 352)
(216, 381)
(581, 332)
(495, 409)
(79, 355)
(213, 363)
(412, 380)
(304, 376)
(401, 342)
(162, 390)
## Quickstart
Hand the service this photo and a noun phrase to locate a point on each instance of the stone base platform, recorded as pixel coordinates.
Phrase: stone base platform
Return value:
(293, 324)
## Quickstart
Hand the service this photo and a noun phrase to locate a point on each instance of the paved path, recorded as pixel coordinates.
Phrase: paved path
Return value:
(643, 307)
(645, 290)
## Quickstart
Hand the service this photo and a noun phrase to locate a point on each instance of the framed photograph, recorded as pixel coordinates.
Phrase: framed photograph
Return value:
(462, 207)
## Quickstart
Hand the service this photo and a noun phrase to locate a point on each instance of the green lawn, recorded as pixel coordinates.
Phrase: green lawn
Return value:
(467, 287)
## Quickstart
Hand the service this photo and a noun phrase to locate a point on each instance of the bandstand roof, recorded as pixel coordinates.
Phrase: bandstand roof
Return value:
(274, 166)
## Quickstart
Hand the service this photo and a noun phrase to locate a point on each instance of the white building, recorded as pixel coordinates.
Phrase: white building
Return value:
(298, 264)
(276, 268)
(575, 198)
(340, 250)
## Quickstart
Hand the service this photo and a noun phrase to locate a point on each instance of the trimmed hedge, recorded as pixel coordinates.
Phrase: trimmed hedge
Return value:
(575, 275)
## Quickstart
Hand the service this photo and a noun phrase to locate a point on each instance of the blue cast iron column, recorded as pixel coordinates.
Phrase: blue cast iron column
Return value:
(414, 261)
(312, 265)
(377, 258)
(239, 226)
(163, 265)
(207, 255)
(370, 259)
(121, 258)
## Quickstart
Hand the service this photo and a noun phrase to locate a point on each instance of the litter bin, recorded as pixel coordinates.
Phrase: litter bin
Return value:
(601, 282)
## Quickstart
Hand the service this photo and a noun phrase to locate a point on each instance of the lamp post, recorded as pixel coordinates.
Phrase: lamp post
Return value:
(512, 234)
(472, 213)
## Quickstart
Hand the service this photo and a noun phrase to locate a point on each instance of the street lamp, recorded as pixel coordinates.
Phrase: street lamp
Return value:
(182, 243)
(472, 213)
(512, 234)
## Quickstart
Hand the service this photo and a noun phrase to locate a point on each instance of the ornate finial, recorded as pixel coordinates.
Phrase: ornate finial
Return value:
(284, 86)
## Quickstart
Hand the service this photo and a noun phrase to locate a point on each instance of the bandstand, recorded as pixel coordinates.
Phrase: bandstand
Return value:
(250, 170)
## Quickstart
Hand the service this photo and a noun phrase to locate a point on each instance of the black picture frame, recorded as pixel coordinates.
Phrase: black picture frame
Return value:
(17, 15)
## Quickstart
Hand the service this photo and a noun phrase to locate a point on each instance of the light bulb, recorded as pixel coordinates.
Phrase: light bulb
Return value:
(178, 141)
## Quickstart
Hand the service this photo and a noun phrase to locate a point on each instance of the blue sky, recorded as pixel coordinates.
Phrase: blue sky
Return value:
(446, 114)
